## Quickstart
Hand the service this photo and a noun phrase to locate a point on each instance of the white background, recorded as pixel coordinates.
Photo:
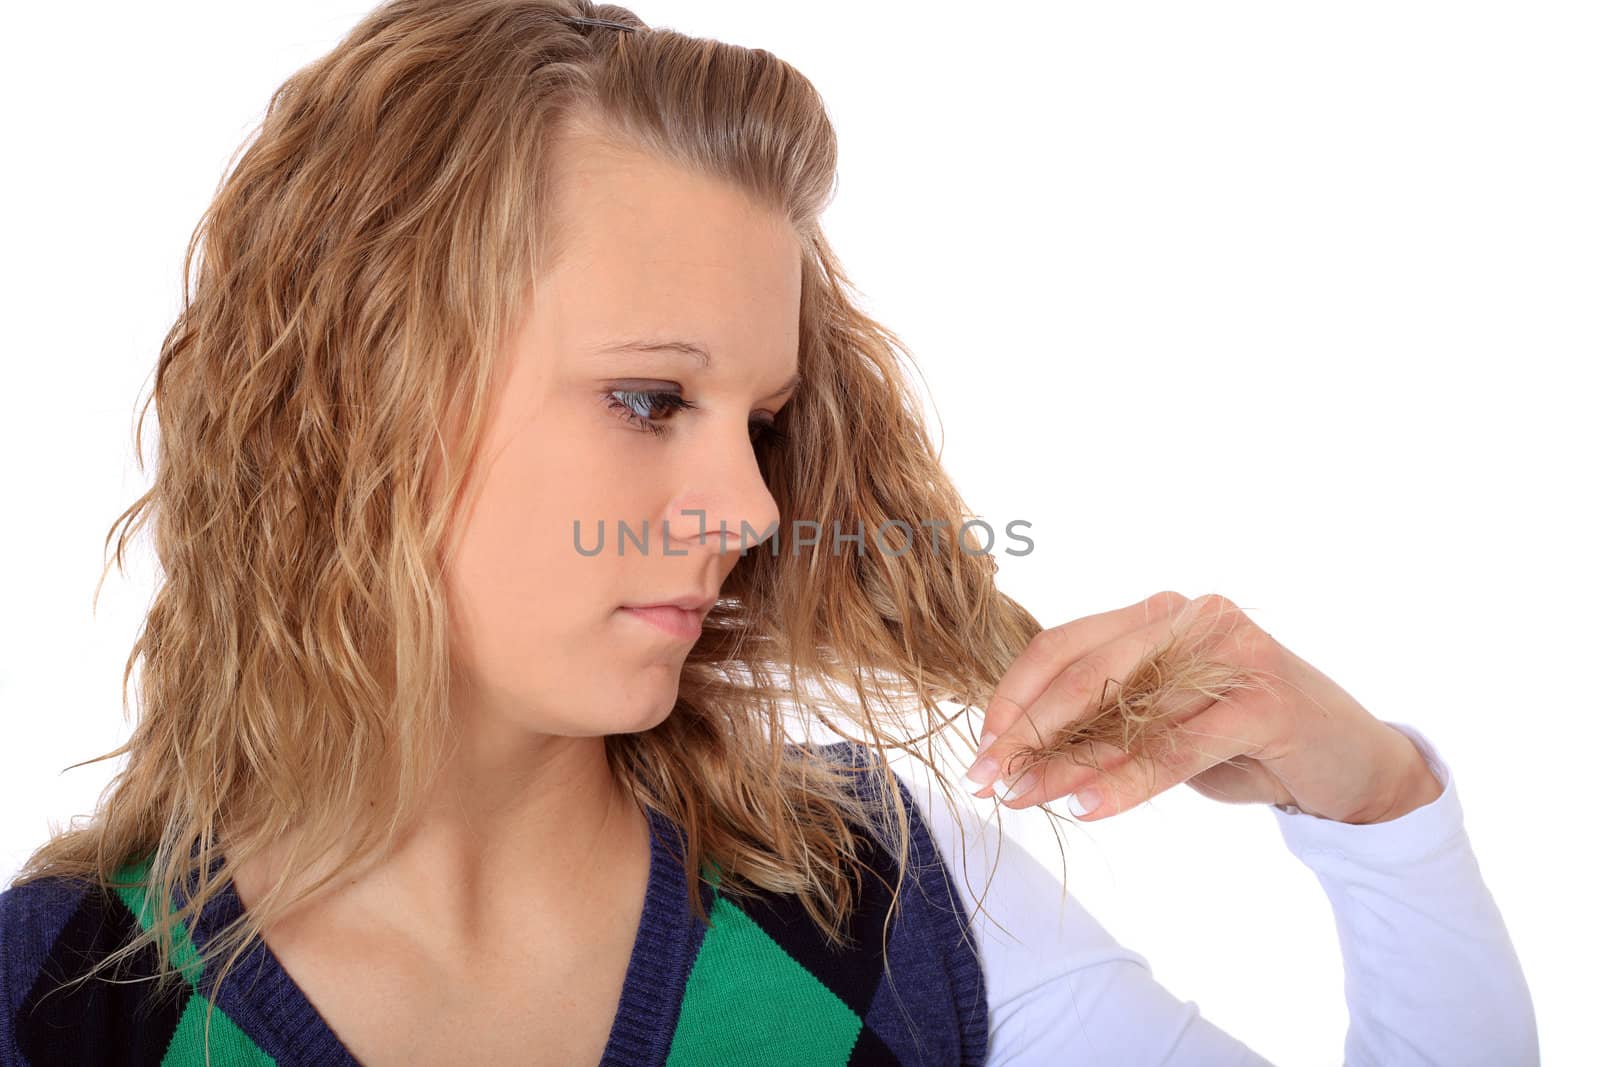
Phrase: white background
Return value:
(1290, 302)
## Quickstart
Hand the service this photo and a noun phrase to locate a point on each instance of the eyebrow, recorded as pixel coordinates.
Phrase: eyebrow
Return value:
(686, 348)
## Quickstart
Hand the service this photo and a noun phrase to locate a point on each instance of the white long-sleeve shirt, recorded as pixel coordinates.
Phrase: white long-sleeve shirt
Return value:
(1431, 976)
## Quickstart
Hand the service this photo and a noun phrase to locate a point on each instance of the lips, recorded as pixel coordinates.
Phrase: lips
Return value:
(681, 623)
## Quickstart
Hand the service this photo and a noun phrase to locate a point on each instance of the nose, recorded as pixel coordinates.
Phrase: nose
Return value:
(725, 504)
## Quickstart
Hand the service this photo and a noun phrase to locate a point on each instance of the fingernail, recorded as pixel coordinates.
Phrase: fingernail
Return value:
(984, 742)
(1007, 792)
(1083, 802)
(983, 772)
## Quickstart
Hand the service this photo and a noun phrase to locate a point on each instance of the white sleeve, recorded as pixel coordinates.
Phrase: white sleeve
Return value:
(1431, 974)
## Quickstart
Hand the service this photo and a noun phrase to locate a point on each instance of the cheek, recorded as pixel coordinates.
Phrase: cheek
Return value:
(533, 619)
(515, 571)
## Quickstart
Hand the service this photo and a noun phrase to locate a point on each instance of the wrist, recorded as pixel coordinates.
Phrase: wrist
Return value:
(1415, 786)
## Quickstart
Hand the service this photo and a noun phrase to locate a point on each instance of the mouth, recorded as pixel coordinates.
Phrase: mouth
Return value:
(681, 623)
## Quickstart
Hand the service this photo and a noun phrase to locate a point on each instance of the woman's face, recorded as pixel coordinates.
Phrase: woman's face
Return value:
(649, 254)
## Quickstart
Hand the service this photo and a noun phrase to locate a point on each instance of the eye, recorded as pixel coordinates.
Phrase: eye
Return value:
(650, 409)
(765, 432)
(645, 409)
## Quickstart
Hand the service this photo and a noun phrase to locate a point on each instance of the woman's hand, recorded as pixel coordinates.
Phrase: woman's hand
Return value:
(1188, 709)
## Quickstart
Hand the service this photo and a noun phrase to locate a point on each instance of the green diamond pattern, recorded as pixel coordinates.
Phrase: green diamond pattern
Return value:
(229, 1044)
(747, 997)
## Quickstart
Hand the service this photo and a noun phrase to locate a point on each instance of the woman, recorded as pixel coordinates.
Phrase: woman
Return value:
(515, 387)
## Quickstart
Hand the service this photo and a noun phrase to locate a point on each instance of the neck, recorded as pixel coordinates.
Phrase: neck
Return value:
(515, 823)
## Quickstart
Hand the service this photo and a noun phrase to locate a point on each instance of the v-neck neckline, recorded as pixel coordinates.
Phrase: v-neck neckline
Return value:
(290, 1029)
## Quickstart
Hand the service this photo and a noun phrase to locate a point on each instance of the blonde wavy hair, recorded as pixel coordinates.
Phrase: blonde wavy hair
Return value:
(357, 269)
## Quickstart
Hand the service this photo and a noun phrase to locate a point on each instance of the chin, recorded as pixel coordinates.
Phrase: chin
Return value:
(637, 712)
(645, 720)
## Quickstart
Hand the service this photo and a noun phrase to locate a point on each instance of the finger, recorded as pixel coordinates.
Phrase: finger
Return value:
(1048, 777)
(1017, 778)
(1210, 739)
(1075, 691)
(1054, 648)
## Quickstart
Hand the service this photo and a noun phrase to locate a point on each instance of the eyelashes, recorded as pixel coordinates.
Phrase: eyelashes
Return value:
(649, 410)
(639, 407)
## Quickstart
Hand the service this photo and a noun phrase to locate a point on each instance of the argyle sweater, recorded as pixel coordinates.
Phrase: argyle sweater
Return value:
(758, 985)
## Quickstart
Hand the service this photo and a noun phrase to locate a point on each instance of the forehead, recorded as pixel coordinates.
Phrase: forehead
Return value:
(644, 245)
